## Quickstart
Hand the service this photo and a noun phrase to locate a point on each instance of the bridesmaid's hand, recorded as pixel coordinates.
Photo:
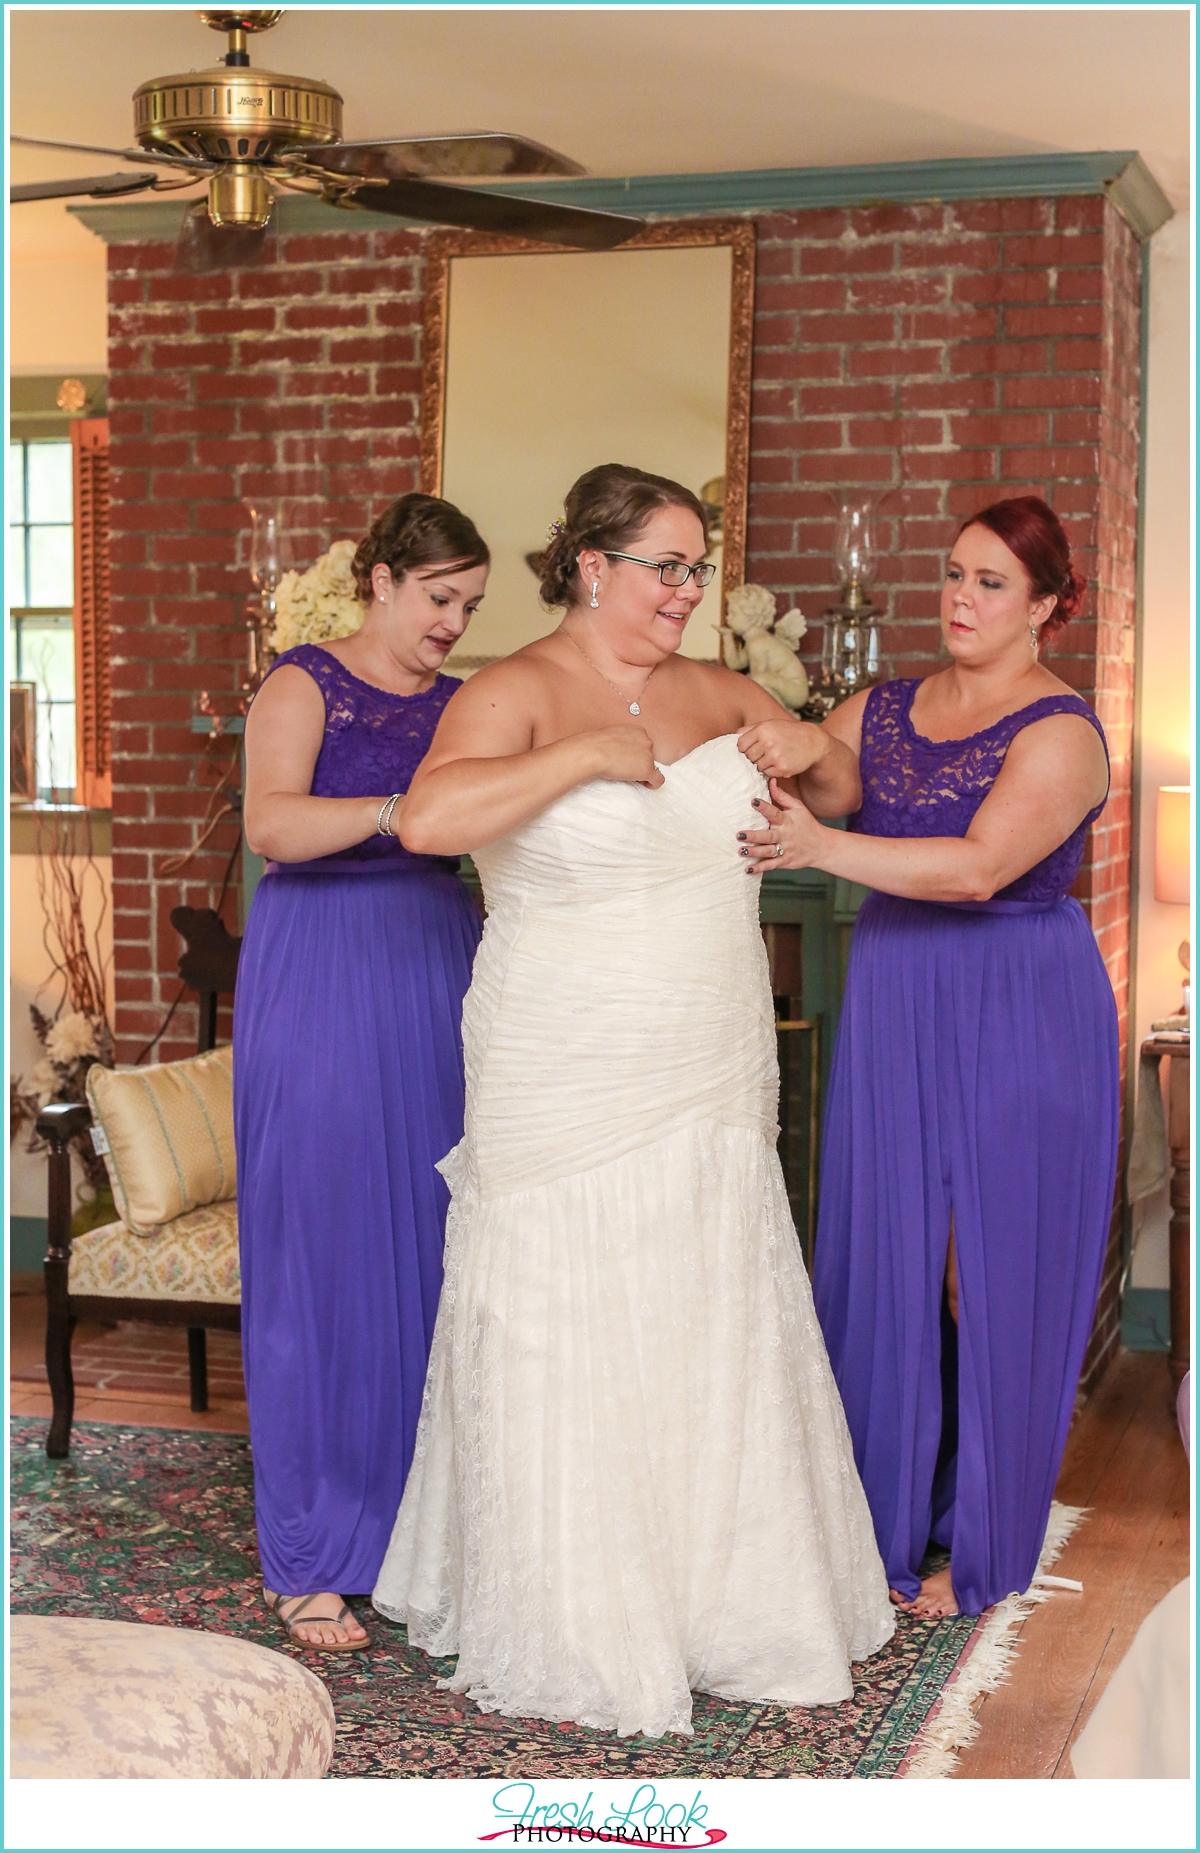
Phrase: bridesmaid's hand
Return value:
(792, 838)
(784, 748)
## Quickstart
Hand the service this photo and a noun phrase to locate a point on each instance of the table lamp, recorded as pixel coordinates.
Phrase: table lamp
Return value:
(1173, 863)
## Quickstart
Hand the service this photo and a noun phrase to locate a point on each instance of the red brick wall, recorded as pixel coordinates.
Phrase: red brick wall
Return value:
(957, 353)
(299, 379)
(953, 352)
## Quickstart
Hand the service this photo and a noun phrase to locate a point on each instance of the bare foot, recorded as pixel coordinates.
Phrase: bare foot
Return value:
(937, 1598)
(316, 1627)
(899, 1601)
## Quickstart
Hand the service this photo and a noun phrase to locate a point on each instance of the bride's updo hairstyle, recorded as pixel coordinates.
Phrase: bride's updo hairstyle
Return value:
(606, 509)
(416, 531)
(1030, 528)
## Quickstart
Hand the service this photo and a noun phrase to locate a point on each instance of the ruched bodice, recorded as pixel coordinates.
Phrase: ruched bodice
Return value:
(621, 990)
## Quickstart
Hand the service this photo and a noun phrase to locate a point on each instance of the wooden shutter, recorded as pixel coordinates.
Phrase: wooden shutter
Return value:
(93, 707)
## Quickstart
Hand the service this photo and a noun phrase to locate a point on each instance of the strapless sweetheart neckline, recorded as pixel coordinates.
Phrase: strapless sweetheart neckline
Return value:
(669, 765)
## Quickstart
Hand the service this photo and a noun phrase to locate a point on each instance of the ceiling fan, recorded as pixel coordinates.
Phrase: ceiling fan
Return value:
(251, 133)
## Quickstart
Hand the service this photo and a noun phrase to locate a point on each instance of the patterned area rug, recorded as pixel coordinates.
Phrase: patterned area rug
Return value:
(157, 1525)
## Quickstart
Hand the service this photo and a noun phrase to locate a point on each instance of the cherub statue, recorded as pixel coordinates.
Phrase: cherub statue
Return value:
(753, 639)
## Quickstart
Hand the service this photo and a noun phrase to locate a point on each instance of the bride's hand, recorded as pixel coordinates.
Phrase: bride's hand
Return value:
(792, 837)
(784, 748)
(625, 755)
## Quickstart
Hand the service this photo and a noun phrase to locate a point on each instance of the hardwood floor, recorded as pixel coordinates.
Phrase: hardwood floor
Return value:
(1124, 1461)
(161, 1398)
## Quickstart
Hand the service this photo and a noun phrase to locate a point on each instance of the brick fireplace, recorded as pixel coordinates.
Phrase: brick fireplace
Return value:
(956, 352)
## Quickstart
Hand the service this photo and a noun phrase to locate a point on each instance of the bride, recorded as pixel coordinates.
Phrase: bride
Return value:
(632, 1477)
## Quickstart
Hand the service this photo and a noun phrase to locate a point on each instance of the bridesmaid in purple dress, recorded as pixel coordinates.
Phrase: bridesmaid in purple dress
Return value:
(348, 1083)
(971, 1131)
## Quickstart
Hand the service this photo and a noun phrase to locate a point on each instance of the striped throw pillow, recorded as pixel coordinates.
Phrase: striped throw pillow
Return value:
(169, 1136)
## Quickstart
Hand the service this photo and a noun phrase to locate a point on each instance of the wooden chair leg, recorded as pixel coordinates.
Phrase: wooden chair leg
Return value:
(58, 1124)
(60, 1326)
(198, 1368)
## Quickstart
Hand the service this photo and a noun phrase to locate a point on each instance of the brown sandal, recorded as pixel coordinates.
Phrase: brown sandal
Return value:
(290, 1622)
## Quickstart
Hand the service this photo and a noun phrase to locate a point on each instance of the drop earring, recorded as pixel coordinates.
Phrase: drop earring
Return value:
(1033, 638)
(595, 600)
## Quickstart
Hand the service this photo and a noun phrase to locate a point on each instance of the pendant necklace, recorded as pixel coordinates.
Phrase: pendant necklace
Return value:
(633, 705)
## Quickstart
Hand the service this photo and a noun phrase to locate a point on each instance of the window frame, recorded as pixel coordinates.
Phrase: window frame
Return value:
(35, 417)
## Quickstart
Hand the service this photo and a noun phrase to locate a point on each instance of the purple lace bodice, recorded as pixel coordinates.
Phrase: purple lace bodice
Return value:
(918, 787)
(374, 742)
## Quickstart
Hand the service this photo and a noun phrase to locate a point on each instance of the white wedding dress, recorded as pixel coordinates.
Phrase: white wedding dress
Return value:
(632, 1477)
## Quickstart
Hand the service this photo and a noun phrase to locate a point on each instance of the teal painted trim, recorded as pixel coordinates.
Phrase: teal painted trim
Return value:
(253, 869)
(230, 723)
(34, 827)
(1122, 173)
(1135, 794)
(1146, 1319)
(27, 1246)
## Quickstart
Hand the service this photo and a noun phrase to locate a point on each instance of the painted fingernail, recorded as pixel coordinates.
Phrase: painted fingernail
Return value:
(743, 852)
(741, 836)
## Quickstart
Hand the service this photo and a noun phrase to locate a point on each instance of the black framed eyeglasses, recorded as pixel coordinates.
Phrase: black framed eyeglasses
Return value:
(671, 572)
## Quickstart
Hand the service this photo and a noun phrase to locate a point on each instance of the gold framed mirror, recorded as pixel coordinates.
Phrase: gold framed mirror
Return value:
(540, 362)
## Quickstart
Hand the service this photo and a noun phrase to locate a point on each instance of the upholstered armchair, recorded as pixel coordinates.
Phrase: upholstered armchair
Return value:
(172, 1258)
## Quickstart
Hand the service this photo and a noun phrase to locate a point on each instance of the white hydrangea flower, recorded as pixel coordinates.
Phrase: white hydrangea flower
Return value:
(44, 1082)
(71, 1037)
(750, 607)
(319, 605)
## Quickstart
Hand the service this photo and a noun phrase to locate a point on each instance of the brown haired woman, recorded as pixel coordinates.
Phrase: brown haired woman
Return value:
(632, 1476)
(971, 1129)
(347, 1068)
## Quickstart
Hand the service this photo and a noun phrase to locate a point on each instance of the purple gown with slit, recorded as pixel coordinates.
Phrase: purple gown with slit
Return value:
(975, 1076)
(348, 1089)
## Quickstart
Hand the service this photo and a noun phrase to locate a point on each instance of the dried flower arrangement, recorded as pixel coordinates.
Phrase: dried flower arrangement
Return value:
(319, 604)
(77, 1032)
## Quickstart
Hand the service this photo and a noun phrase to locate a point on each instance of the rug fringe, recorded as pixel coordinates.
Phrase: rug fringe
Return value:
(988, 1663)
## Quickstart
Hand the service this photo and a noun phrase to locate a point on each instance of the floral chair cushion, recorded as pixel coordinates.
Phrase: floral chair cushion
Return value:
(194, 1258)
(121, 1699)
(168, 1131)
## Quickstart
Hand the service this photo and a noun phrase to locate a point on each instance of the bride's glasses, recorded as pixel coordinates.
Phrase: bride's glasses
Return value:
(671, 572)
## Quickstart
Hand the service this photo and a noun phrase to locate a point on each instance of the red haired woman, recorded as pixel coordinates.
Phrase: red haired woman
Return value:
(971, 1133)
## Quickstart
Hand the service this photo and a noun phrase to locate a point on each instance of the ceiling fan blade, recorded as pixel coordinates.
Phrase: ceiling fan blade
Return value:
(477, 156)
(203, 247)
(98, 186)
(478, 211)
(118, 154)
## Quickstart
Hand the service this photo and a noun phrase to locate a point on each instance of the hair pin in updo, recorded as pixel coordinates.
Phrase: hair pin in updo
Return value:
(554, 530)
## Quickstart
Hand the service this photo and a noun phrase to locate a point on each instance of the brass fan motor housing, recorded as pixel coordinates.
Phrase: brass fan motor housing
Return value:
(227, 114)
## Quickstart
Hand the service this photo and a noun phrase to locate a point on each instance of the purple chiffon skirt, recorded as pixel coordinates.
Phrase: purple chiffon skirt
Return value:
(976, 1075)
(348, 1089)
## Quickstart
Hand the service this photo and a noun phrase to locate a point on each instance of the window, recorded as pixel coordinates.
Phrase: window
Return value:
(41, 594)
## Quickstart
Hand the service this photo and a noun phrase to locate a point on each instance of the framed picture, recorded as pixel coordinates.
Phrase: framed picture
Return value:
(22, 732)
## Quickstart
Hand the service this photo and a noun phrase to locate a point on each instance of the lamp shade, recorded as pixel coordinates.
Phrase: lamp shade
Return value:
(1173, 845)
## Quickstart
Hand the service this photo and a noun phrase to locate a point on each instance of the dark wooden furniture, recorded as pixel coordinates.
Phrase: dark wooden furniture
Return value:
(1179, 1097)
(209, 965)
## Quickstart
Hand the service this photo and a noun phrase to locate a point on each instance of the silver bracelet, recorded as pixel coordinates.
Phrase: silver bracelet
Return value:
(383, 825)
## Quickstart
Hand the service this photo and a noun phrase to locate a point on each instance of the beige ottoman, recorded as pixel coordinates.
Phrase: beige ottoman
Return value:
(115, 1698)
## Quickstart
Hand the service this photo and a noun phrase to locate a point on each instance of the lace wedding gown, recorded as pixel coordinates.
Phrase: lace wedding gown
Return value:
(632, 1476)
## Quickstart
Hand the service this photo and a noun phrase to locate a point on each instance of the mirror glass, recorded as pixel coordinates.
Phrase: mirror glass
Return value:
(557, 362)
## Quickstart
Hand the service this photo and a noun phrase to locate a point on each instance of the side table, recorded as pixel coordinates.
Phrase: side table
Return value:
(1179, 1088)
